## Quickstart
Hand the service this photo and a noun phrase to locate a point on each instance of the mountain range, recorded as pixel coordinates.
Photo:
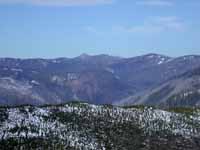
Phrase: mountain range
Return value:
(151, 79)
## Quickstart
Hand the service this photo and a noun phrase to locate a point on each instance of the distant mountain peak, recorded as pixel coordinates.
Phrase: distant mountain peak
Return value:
(153, 58)
(153, 55)
(84, 56)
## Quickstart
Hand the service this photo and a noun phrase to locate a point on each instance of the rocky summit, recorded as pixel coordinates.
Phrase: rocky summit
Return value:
(83, 126)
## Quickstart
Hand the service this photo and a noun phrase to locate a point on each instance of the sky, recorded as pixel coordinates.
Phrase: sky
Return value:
(68, 28)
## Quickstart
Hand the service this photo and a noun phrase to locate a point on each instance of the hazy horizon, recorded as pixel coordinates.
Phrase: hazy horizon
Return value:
(71, 57)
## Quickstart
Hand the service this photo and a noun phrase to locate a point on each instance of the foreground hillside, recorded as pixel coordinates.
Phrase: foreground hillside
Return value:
(81, 126)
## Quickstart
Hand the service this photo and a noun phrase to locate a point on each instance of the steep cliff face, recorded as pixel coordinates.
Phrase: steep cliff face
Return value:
(84, 126)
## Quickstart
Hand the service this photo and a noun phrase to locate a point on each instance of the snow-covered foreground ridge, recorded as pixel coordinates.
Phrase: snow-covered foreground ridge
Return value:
(76, 123)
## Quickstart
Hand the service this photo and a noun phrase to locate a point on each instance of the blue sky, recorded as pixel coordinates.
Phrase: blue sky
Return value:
(67, 28)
